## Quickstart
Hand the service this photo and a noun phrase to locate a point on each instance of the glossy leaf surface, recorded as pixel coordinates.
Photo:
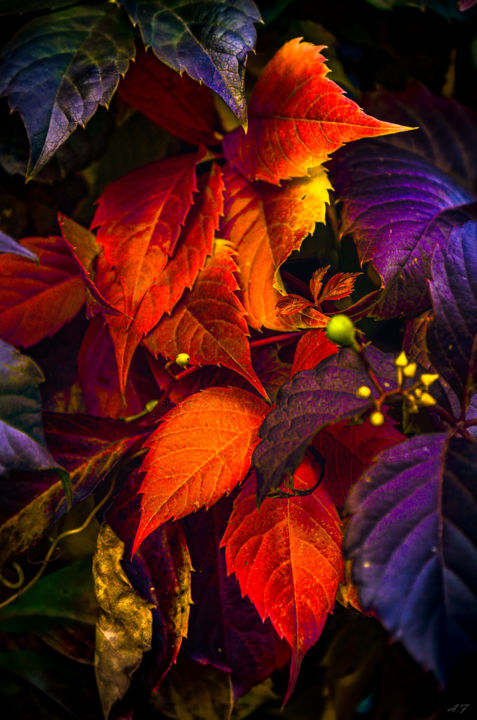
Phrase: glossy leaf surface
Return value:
(399, 208)
(59, 67)
(287, 558)
(290, 132)
(209, 40)
(200, 452)
(413, 542)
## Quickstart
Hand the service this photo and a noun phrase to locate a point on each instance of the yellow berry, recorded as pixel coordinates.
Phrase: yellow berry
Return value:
(376, 418)
(182, 359)
(428, 378)
(426, 400)
(410, 370)
(363, 392)
(401, 360)
(341, 330)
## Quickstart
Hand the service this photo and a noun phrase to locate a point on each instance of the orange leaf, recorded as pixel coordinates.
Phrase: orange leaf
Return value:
(175, 102)
(37, 300)
(265, 224)
(209, 323)
(139, 220)
(201, 451)
(297, 117)
(287, 558)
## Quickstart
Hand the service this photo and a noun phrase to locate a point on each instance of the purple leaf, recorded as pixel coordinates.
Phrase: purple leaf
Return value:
(209, 40)
(225, 629)
(446, 131)
(9, 245)
(397, 207)
(59, 67)
(452, 336)
(309, 402)
(413, 542)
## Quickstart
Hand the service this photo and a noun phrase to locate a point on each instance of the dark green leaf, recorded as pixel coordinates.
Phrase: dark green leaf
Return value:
(58, 68)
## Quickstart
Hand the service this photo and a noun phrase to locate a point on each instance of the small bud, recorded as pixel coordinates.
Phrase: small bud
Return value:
(418, 392)
(376, 418)
(401, 360)
(363, 392)
(410, 370)
(428, 378)
(341, 330)
(182, 359)
(426, 400)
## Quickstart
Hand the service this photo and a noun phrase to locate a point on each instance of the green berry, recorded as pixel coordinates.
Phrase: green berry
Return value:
(341, 330)
(182, 359)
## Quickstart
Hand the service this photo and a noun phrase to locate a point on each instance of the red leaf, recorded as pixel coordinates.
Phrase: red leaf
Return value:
(297, 117)
(316, 282)
(37, 300)
(312, 348)
(348, 450)
(167, 286)
(287, 558)
(139, 220)
(265, 224)
(85, 249)
(175, 102)
(339, 286)
(209, 323)
(291, 304)
(200, 452)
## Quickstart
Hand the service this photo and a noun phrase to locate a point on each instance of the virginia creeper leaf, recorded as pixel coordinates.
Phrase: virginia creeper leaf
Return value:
(413, 542)
(399, 208)
(441, 122)
(287, 558)
(22, 442)
(209, 323)
(85, 250)
(291, 131)
(200, 452)
(309, 402)
(225, 628)
(139, 220)
(209, 40)
(265, 224)
(9, 245)
(311, 349)
(452, 335)
(173, 101)
(124, 627)
(88, 448)
(60, 609)
(59, 67)
(348, 450)
(37, 300)
(160, 571)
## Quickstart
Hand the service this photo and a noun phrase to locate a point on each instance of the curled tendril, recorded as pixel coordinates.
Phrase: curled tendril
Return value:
(51, 550)
(13, 585)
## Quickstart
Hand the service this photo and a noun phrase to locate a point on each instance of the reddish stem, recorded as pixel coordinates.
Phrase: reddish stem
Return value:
(275, 338)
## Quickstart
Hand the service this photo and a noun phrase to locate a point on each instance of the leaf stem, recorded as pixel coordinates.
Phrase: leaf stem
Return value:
(275, 338)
